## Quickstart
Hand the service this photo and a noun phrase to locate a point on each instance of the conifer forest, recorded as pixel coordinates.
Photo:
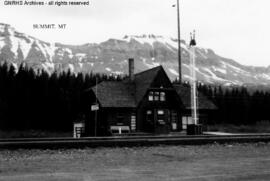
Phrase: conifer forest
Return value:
(36, 100)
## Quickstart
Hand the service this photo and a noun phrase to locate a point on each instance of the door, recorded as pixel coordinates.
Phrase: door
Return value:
(157, 121)
(162, 121)
(149, 125)
(175, 125)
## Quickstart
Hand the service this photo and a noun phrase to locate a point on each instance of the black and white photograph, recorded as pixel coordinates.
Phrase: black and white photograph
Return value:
(134, 90)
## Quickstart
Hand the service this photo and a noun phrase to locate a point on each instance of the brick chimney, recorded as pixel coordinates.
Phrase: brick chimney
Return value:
(131, 68)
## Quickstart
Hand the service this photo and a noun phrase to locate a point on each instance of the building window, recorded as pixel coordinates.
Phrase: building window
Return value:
(162, 96)
(174, 120)
(160, 112)
(133, 122)
(151, 96)
(186, 120)
(161, 117)
(156, 96)
(149, 116)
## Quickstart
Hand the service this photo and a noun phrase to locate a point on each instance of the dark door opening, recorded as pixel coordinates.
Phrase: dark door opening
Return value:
(160, 121)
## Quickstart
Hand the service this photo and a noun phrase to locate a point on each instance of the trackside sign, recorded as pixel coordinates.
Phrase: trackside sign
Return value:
(94, 107)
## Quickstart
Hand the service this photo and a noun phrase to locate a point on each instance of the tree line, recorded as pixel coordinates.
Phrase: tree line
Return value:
(238, 105)
(32, 99)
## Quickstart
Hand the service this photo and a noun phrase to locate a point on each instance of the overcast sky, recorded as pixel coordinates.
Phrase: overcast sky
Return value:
(237, 29)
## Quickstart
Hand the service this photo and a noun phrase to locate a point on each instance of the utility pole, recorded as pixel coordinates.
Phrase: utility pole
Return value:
(179, 44)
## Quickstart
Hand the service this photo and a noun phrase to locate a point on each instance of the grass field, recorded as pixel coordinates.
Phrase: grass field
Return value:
(162, 163)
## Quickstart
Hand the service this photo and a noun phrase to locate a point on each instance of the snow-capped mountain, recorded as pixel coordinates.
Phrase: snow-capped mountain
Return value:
(111, 57)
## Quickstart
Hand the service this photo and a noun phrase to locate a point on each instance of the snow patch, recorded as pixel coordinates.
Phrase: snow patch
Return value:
(151, 39)
(186, 66)
(71, 67)
(80, 56)
(187, 76)
(108, 69)
(228, 84)
(173, 72)
(155, 64)
(25, 47)
(224, 71)
(15, 67)
(203, 50)
(46, 50)
(236, 69)
(150, 65)
(81, 65)
(67, 50)
(118, 73)
(14, 44)
(90, 63)
(2, 43)
(48, 66)
(2, 28)
(202, 54)
(213, 76)
(265, 76)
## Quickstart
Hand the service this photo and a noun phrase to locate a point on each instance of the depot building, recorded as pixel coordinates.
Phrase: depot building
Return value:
(146, 102)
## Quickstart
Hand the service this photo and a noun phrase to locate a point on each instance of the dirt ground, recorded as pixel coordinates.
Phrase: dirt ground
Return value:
(162, 163)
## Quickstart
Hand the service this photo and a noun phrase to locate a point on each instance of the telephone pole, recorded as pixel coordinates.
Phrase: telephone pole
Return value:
(179, 44)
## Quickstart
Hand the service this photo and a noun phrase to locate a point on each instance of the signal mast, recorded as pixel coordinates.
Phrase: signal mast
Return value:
(194, 97)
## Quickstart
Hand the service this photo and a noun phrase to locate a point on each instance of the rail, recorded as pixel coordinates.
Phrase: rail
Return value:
(128, 141)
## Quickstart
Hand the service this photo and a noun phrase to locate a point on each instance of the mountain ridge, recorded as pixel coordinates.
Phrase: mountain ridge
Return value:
(111, 57)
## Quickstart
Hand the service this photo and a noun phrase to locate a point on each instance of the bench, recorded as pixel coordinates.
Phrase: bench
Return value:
(120, 129)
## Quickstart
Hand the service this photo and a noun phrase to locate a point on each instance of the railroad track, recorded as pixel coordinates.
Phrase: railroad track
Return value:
(128, 141)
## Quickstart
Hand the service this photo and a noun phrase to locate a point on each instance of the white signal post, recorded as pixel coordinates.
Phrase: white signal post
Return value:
(194, 97)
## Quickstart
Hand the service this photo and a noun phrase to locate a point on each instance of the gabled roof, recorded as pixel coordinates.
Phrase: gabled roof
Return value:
(115, 94)
(144, 80)
(185, 96)
(128, 94)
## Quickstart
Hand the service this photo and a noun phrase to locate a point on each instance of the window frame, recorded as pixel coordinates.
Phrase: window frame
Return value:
(160, 112)
(151, 96)
(155, 96)
(162, 96)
